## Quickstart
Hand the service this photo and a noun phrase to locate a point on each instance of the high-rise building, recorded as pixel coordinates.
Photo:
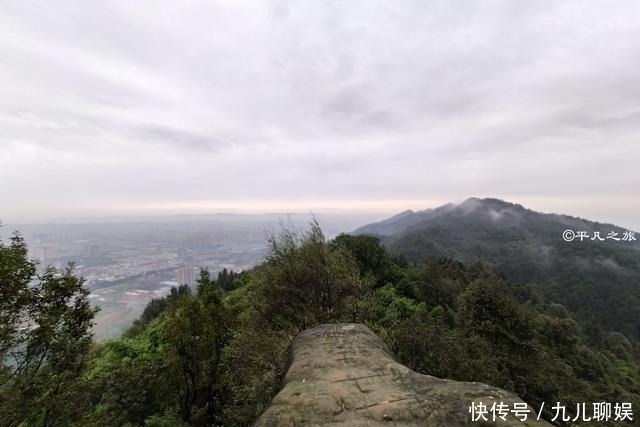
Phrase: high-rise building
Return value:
(185, 276)
(182, 252)
(92, 250)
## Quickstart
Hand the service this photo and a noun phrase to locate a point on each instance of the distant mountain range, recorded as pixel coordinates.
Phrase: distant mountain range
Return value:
(596, 276)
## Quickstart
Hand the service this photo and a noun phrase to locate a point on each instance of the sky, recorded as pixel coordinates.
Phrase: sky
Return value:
(145, 107)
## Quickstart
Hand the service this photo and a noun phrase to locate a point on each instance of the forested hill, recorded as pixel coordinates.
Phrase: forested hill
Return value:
(215, 355)
(597, 279)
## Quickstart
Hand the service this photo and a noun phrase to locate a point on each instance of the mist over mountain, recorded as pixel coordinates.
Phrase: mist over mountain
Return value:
(597, 278)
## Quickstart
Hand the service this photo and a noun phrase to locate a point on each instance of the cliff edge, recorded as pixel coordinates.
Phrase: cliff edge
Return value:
(344, 375)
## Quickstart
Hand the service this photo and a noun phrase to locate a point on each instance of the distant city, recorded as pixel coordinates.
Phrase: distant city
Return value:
(126, 264)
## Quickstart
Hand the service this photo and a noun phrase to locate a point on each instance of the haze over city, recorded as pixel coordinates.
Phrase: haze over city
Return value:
(146, 108)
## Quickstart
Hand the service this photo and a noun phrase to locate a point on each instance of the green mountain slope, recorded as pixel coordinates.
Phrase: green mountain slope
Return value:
(597, 280)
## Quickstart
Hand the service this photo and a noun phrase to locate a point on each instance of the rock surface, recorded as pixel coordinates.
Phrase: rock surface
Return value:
(344, 375)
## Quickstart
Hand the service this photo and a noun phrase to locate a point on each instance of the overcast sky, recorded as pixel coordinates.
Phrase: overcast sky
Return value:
(112, 107)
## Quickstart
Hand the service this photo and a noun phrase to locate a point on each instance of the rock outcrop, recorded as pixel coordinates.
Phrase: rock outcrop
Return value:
(344, 375)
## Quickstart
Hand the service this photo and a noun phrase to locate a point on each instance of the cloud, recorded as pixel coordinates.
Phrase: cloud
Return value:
(110, 105)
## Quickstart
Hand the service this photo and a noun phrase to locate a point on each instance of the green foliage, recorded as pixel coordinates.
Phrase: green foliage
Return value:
(217, 356)
(194, 333)
(169, 419)
(16, 272)
(156, 307)
(226, 280)
(305, 282)
(128, 380)
(466, 323)
(255, 364)
(45, 335)
(373, 261)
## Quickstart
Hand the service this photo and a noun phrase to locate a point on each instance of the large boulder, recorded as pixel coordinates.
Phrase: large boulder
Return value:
(344, 375)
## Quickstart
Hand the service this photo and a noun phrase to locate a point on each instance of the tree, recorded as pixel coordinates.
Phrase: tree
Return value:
(45, 334)
(227, 280)
(16, 272)
(156, 307)
(372, 259)
(305, 282)
(195, 333)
